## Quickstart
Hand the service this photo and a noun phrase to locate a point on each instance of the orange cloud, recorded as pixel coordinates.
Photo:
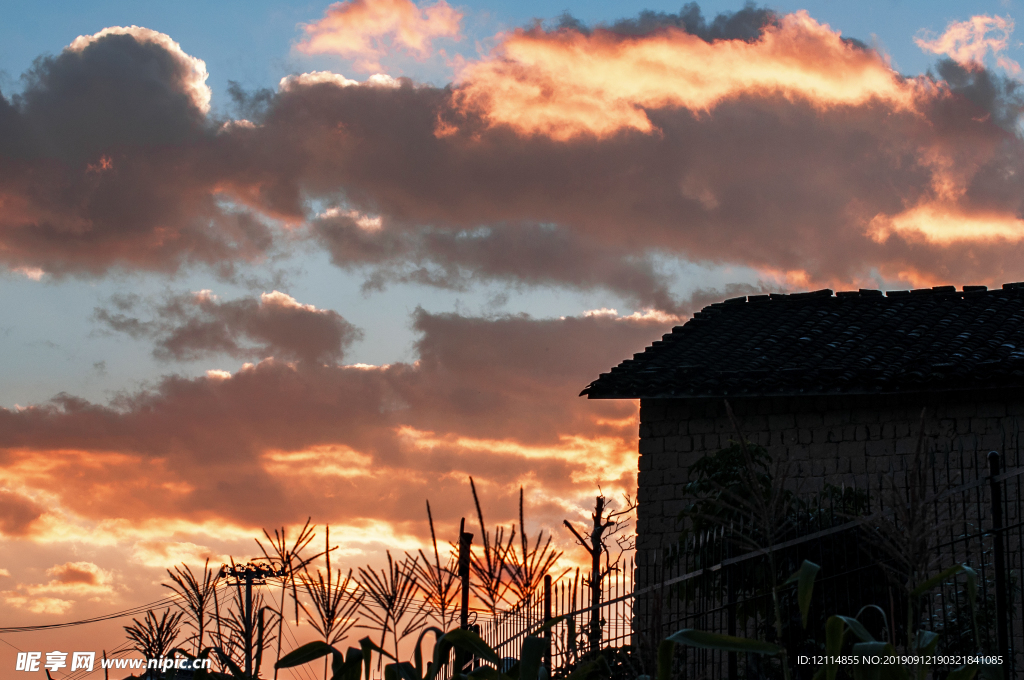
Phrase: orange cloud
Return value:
(568, 83)
(274, 443)
(945, 224)
(362, 29)
(967, 42)
(17, 513)
(69, 581)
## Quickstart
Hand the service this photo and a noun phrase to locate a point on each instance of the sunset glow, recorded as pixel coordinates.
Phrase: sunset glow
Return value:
(567, 83)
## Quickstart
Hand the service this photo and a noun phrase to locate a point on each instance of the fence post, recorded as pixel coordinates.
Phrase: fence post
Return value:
(547, 619)
(730, 610)
(465, 543)
(997, 549)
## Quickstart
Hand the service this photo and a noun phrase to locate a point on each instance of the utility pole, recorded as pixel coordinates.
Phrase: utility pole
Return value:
(465, 543)
(251, 573)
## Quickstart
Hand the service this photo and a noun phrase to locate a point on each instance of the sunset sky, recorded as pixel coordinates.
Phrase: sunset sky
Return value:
(263, 261)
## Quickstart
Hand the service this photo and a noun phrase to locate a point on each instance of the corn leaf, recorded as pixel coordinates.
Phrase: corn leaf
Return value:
(925, 586)
(804, 578)
(530, 657)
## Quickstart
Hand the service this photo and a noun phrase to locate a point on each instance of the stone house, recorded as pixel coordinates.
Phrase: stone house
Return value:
(834, 382)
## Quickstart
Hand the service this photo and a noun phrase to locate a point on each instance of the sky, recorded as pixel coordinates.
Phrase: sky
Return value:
(263, 261)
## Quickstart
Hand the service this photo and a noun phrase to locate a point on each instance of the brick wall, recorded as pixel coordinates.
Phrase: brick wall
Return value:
(836, 439)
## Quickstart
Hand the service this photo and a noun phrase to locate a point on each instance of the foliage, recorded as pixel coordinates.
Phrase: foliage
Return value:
(528, 569)
(465, 643)
(440, 585)
(489, 568)
(197, 595)
(392, 594)
(741, 500)
(290, 559)
(859, 643)
(335, 600)
(153, 637)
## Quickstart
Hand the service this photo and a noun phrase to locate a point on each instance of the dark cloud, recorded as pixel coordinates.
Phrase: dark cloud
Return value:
(108, 159)
(774, 184)
(119, 92)
(534, 254)
(804, 190)
(274, 442)
(194, 326)
(75, 573)
(746, 24)
(17, 513)
(1000, 98)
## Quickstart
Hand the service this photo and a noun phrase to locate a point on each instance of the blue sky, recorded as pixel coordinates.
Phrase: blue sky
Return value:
(50, 340)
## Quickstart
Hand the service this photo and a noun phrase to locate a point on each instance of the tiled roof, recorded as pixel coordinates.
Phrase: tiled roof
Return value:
(819, 343)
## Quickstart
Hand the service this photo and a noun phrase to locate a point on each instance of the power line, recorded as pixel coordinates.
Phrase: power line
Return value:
(134, 611)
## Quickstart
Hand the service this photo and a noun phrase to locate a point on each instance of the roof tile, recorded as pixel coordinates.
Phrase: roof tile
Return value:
(820, 343)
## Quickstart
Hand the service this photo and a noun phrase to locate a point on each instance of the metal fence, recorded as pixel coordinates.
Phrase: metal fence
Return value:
(567, 599)
(711, 582)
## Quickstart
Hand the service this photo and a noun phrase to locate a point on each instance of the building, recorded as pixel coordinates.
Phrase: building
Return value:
(834, 382)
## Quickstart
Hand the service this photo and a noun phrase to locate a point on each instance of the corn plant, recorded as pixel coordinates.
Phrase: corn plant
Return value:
(289, 557)
(469, 644)
(909, 535)
(336, 600)
(153, 637)
(490, 568)
(196, 597)
(440, 585)
(390, 601)
(528, 568)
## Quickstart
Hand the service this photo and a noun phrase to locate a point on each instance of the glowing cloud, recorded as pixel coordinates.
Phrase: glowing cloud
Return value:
(967, 42)
(358, 29)
(312, 78)
(568, 83)
(195, 82)
(943, 224)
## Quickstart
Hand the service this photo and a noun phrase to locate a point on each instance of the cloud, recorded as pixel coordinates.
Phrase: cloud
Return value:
(754, 139)
(106, 161)
(198, 325)
(75, 574)
(273, 443)
(516, 253)
(37, 605)
(765, 180)
(69, 581)
(17, 513)
(364, 30)
(968, 42)
(162, 554)
(566, 83)
(191, 73)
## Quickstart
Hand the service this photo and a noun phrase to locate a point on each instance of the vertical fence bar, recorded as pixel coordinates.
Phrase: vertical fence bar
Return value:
(730, 577)
(547, 618)
(997, 549)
